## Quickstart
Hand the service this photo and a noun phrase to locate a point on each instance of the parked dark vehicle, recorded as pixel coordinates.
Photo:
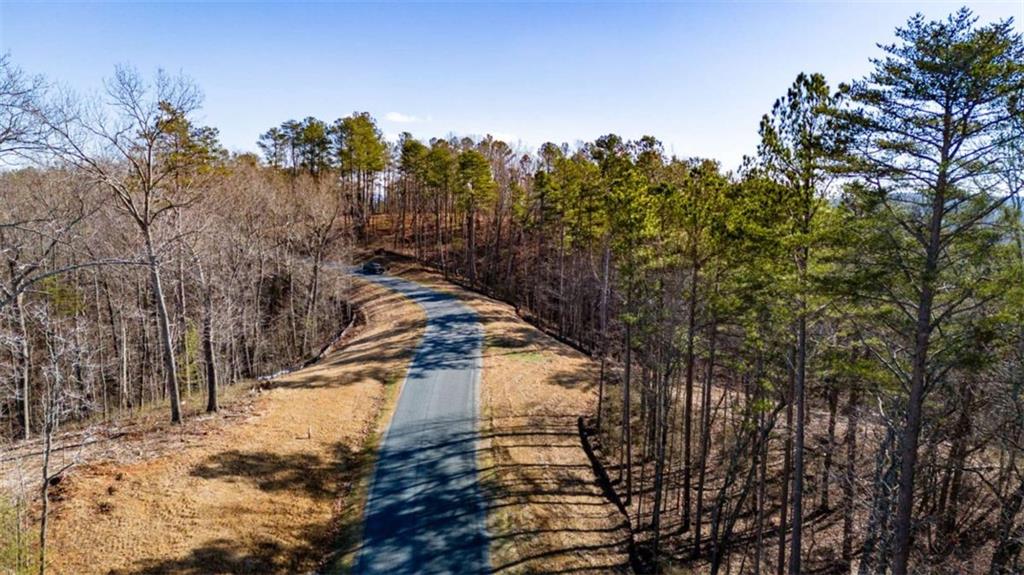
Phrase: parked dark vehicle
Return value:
(373, 268)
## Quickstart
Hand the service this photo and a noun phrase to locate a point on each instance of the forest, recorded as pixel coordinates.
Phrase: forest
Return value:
(813, 363)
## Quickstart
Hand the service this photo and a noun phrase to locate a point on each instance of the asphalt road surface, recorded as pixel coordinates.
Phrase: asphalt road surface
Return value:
(425, 513)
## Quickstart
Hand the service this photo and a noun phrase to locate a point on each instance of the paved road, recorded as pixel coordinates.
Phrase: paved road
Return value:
(425, 513)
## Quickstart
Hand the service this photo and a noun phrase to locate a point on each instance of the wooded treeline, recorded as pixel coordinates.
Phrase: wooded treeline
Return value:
(168, 266)
(812, 363)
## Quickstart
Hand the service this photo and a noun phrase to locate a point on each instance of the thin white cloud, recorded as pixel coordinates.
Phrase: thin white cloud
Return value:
(400, 118)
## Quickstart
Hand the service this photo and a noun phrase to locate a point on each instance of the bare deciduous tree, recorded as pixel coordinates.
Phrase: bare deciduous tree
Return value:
(126, 142)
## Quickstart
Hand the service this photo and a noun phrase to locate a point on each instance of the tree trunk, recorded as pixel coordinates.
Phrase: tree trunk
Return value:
(661, 414)
(121, 349)
(183, 316)
(826, 471)
(126, 396)
(850, 483)
(626, 424)
(876, 548)
(958, 459)
(787, 467)
(24, 366)
(912, 433)
(101, 349)
(762, 461)
(705, 437)
(605, 296)
(170, 372)
(45, 491)
(471, 249)
(795, 544)
(312, 296)
(919, 372)
(688, 400)
(209, 360)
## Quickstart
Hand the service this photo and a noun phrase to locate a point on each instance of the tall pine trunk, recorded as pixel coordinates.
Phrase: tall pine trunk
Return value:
(605, 296)
(799, 392)
(688, 400)
(850, 482)
(705, 437)
(826, 468)
(912, 428)
(627, 434)
(787, 468)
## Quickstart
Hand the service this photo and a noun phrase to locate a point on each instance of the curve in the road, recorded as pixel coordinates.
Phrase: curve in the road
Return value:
(425, 513)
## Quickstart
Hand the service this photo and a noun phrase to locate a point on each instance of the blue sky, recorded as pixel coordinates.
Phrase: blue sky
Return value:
(696, 75)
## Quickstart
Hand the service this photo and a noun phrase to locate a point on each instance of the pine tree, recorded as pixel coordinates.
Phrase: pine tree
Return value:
(930, 123)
